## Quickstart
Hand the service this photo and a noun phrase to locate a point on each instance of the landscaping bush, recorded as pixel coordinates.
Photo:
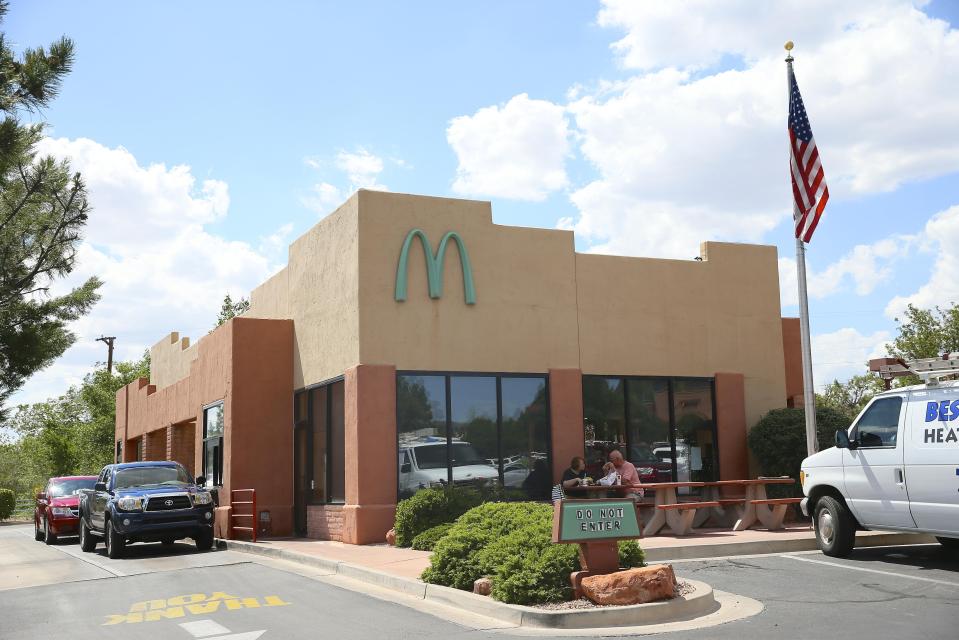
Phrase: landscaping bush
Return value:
(428, 539)
(511, 543)
(779, 443)
(430, 507)
(8, 501)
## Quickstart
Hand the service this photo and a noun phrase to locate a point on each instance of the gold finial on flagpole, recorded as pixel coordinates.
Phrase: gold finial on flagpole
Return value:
(789, 50)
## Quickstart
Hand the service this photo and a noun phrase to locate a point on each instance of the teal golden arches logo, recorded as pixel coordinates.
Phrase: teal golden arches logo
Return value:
(434, 265)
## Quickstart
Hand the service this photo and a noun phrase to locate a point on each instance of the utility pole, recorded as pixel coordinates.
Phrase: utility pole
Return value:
(108, 340)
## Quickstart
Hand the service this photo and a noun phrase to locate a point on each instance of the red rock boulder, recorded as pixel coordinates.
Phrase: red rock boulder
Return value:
(632, 586)
(391, 538)
(482, 586)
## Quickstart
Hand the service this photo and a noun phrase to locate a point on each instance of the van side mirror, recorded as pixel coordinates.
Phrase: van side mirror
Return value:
(200, 481)
(406, 467)
(842, 440)
(100, 486)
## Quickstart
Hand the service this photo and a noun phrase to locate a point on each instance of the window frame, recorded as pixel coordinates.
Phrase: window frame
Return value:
(625, 380)
(899, 423)
(215, 474)
(498, 377)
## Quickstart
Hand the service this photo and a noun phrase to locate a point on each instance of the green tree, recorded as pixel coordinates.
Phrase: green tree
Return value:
(926, 333)
(230, 309)
(70, 434)
(43, 209)
(851, 396)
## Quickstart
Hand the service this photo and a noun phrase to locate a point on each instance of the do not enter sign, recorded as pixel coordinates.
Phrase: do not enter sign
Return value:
(594, 520)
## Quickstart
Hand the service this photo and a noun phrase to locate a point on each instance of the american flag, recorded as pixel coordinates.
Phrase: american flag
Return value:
(810, 193)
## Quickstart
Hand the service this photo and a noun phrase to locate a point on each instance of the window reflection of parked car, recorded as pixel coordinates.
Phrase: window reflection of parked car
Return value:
(423, 464)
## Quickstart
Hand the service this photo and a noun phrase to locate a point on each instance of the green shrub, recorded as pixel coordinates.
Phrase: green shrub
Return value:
(779, 443)
(512, 543)
(428, 539)
(428, 508)
(8, 501)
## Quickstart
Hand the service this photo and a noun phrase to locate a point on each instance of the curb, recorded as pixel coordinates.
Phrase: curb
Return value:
(695, 551)
(700, 603)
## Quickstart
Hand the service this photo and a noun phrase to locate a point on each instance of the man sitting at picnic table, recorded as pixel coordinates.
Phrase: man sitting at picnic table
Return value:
(627, 473)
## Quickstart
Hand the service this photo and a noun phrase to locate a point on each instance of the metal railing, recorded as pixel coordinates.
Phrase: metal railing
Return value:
(251, 503)
(23, 509)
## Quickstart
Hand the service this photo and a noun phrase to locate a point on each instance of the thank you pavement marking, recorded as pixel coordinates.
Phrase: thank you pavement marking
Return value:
(190, 604)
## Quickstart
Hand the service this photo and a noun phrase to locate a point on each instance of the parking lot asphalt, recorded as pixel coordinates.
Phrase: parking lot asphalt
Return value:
(902, 592)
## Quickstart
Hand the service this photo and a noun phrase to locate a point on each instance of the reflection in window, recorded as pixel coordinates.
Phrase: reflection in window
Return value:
(696, 456)
(337, 428)
(525, 436)
(650, 448)
(421, 430)
(605, 421)
(212, 445)
(496, 433)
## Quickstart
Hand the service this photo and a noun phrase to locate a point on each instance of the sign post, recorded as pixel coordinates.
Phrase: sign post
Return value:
(596, 526)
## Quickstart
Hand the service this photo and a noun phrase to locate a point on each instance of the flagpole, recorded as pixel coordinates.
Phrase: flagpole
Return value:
(809, 396)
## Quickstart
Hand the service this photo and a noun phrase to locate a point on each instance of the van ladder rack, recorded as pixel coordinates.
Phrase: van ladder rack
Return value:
(929, 370)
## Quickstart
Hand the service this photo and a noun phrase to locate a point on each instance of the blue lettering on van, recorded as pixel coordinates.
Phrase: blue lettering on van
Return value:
(944, 411)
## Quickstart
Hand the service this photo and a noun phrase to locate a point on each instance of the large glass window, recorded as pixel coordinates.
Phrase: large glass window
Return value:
(664, 426)
(472, 430)
(213, 445)
(525, 436)
(318, 418)
(604, 413)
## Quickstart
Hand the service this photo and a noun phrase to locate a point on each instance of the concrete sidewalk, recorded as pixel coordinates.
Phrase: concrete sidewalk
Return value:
(704, 543)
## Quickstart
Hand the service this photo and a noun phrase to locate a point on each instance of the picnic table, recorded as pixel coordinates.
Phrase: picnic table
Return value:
(682, 517)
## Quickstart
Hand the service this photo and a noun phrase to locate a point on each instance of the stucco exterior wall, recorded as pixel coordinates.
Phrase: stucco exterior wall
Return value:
(645, 316)
(170, 360)
(792, 352)
(524, 319)
(272, 298)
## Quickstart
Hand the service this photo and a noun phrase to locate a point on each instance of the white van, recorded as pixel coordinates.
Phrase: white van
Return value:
(895, 469)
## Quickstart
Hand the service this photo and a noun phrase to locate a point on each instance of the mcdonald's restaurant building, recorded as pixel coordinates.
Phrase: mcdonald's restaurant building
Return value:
(411, 342)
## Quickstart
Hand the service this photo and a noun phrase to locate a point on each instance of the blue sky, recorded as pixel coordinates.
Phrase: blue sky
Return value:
(219, 131)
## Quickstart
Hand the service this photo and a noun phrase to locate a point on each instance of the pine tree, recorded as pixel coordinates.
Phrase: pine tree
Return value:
(43, 209)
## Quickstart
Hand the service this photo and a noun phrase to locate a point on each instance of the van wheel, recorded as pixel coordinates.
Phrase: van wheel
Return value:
(835, 528)
(949, 544)
(87, 542)
(115, 542)
(48, 536)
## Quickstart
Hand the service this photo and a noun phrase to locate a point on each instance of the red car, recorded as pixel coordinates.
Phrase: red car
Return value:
(57, 507)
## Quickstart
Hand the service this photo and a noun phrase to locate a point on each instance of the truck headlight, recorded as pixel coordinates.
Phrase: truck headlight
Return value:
(130, 503)
(62, 511)
(202, 497)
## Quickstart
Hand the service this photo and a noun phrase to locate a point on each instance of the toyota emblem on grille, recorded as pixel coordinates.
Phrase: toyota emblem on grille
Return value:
(168, 503)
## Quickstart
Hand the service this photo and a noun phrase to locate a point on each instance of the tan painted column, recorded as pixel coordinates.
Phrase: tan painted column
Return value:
(566, 417)
(731, 426)
(370, 415)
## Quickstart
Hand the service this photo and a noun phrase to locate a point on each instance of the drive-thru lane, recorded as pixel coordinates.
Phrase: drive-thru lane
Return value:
(155, 593)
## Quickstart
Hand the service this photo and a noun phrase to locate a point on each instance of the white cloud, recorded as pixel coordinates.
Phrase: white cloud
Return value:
(841, 354)
(162, 270)
(696, 33)
(865, 266)
(517, 150)
(941, 234)
(362, 168)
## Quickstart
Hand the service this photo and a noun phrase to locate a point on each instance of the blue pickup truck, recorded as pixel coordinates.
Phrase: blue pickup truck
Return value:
(145, 502)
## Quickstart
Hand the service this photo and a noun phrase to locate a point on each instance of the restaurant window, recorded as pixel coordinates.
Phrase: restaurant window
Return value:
(473, 430)
(664, 426)
(213, 445)
(320, 456)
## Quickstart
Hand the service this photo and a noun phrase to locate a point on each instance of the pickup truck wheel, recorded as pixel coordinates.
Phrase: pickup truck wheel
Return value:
(115, 542)
(949, 544)
(48, 536)
(87, 542)
(835, 528)
(37, 533)
(204, 539)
